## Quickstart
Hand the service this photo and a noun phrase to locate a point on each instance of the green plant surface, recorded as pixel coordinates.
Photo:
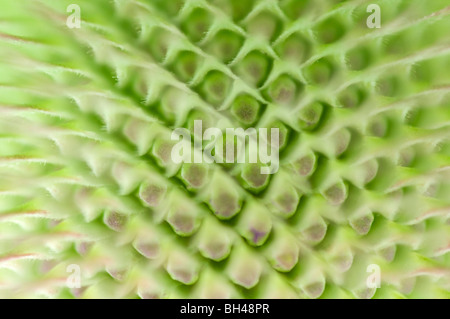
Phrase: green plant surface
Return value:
(87, 178)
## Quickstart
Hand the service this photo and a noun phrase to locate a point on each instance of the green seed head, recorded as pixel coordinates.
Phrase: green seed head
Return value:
(95, 203)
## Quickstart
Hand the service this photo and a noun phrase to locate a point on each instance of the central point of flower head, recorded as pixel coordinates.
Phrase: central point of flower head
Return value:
(235, 145)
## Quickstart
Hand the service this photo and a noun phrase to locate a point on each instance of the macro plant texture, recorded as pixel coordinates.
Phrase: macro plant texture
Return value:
(92, 204)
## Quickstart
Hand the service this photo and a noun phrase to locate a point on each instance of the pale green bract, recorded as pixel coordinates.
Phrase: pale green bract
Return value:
(92, 206)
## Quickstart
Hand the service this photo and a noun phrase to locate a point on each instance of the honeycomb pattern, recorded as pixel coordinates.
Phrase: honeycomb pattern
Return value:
(87, 177)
